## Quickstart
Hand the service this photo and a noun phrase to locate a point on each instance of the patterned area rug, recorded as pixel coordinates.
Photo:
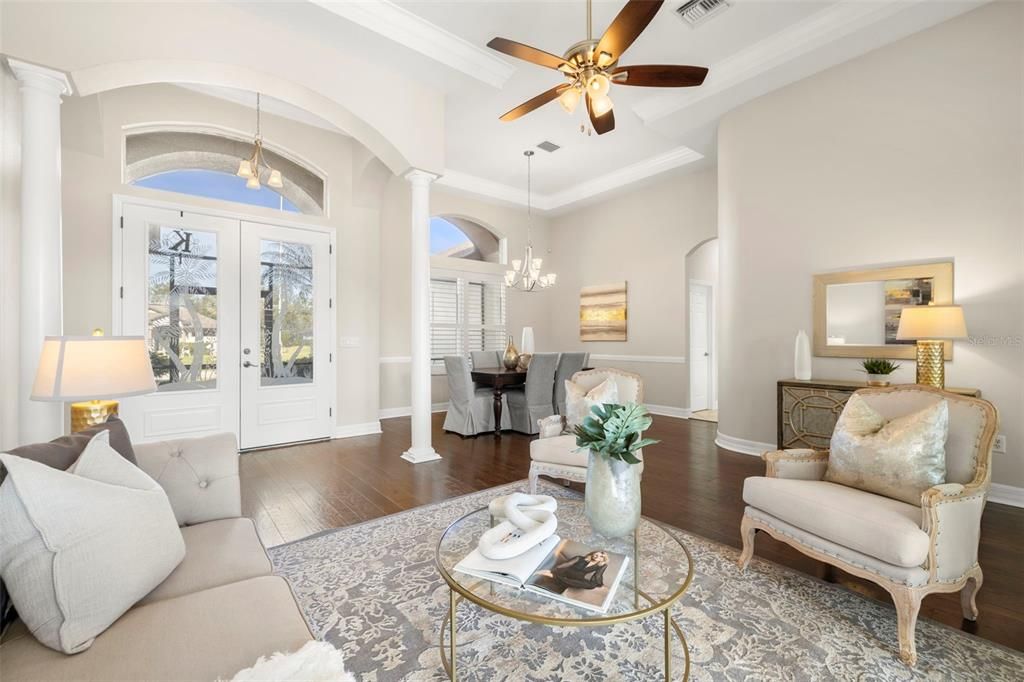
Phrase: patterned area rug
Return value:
(372, 590)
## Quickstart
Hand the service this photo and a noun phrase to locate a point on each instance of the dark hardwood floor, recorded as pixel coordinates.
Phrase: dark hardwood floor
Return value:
(688, 482)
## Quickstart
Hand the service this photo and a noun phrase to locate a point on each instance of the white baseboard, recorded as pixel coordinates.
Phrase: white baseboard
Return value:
(1006, 494)
(669, 411)
(392, 412)
(350, 430)
(742, 445)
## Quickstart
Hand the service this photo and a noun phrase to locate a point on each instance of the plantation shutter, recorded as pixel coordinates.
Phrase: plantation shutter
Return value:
(445, 322)
(467, 313)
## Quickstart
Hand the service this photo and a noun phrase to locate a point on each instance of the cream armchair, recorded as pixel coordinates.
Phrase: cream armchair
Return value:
(555, 454)
(911, 551)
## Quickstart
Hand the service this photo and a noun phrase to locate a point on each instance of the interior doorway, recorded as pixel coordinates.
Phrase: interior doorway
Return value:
(238, 319)
(702, 278)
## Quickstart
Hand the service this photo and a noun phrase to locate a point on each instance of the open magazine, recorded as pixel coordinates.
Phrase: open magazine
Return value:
(560, 569)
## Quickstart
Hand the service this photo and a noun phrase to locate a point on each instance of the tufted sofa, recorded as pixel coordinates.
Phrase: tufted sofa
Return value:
(215, 614)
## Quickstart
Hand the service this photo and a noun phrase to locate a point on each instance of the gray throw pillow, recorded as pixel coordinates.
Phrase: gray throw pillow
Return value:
(61, 453)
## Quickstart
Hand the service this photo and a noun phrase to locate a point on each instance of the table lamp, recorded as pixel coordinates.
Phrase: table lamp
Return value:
(88, 371)
(931, 326)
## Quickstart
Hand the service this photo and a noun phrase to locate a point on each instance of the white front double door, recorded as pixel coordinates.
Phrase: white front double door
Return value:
(237, 317)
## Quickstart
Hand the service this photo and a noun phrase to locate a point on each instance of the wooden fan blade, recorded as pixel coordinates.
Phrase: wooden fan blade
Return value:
(535, 103)
(627, 26)
(661, 75)
(526, 53)
(601, 124)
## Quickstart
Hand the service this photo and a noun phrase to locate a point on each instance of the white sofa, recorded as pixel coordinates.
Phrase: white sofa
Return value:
(217, 612)
(910, 550)
(555, 453)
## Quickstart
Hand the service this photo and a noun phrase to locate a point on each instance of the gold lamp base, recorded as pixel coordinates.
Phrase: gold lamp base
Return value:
(91, 413)
(931, 365)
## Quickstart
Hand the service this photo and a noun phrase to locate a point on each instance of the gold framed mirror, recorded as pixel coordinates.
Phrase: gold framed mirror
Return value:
(857, 313)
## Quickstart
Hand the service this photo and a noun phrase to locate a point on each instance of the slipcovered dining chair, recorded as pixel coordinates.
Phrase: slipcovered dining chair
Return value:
(484, 359)
(532, 402)
(470, 409)
(568, 365)
(555, 453)
(911, 550)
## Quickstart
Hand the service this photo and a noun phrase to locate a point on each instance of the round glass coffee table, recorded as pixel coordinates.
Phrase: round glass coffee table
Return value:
(659, 572)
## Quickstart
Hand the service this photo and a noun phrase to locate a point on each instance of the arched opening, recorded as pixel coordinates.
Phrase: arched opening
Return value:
(204, 164)
(456, 237)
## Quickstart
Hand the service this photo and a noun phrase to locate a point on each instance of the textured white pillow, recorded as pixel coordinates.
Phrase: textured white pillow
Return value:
(578, 402)
(900, 458)
(79, 547)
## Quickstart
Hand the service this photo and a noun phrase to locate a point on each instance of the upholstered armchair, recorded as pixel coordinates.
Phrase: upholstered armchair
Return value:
(555, 453)
(910, 550)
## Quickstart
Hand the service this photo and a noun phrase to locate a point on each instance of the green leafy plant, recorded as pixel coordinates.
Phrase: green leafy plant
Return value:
(879, 366)
(614, 431)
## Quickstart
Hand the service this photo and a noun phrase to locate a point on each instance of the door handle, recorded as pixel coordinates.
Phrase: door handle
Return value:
(707, 354)
(248, 364)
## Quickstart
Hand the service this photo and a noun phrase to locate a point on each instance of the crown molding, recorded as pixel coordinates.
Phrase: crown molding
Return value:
(622, 177)
(404, 27)
(822, 28)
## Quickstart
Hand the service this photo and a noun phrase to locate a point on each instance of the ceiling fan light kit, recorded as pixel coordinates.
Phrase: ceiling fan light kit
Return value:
(591, 67)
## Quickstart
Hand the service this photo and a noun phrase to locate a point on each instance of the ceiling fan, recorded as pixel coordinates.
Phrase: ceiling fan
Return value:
(591, 66)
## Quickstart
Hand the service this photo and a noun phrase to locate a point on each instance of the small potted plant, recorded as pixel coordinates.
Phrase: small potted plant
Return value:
(878, 371)
(612, 435)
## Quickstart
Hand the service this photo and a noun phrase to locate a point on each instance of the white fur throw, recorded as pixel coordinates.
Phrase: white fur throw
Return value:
(314, 662)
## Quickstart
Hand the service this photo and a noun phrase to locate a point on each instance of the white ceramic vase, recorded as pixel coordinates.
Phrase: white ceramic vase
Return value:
(612, 497)
(802, 357)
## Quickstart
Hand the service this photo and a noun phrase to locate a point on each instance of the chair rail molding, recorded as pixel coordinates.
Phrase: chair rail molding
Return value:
(651, 359)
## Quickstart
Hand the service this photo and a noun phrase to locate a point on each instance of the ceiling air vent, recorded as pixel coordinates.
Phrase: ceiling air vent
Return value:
(696, 12)
(548, 146)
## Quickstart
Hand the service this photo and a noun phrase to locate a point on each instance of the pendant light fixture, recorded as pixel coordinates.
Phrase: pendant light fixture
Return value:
(525, 274)
(253, 167)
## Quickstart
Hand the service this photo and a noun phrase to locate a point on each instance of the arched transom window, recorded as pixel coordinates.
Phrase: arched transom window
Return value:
(204, 164)
(455, 237)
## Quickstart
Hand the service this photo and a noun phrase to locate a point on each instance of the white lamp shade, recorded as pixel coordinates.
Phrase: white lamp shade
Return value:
(527, 345)
(74, 368)
(932, 322)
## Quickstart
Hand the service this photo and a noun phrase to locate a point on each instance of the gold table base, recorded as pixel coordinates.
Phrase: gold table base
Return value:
(448, 652)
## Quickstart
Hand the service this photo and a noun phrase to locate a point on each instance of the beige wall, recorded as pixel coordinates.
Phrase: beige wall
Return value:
(641, 237)
(912, 152)
(522, 309)
(92, 143)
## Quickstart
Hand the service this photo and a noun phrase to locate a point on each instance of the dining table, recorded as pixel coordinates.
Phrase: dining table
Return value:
(499, 379)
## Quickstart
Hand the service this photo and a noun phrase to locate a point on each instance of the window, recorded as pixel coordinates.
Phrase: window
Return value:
(204, 165)
(216, 185)
(467, 313)
(454, 237)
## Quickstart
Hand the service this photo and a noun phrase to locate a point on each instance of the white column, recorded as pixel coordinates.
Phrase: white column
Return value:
(421, 450)
(40, 309)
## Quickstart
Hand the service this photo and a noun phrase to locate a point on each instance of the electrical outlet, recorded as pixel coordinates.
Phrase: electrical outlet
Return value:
(1000, 444)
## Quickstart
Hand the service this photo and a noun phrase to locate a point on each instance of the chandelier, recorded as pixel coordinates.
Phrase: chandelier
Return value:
(525, 274)
(254, 166)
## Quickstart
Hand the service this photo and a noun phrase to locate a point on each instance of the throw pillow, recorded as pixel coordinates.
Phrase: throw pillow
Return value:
(578, 401)
(899, 459)
(62, 452)
(78, 548)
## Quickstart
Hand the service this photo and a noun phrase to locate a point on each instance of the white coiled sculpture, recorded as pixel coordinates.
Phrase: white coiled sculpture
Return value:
(527, 521)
